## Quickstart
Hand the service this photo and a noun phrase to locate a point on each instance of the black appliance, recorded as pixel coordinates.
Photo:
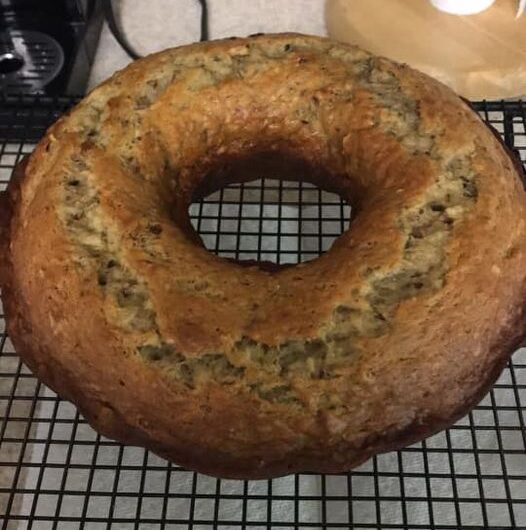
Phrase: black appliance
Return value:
(48, 46)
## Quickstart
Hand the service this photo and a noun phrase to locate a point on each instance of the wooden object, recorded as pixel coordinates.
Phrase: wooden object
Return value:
(479, 56)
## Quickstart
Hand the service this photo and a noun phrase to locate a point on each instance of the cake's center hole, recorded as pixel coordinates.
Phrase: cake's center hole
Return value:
(270, 220)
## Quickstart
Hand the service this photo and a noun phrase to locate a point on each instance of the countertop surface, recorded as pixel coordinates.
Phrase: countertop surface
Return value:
(158, 24)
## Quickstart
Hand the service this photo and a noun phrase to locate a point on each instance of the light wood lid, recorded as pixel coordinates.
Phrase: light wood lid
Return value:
(479, 56)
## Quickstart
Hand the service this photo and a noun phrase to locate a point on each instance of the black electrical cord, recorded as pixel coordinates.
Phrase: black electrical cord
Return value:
(204, 20)
(109, 15)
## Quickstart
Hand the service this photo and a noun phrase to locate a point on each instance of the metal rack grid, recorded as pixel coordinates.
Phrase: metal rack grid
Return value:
(56, 472)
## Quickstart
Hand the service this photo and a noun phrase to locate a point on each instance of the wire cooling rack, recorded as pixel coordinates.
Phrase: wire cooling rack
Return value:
(56, 472)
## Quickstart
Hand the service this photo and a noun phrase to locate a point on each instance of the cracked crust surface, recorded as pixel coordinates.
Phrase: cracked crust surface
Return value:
(250, 372)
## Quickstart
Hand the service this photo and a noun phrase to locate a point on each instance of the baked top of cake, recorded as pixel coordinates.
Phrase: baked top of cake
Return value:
(240, 371)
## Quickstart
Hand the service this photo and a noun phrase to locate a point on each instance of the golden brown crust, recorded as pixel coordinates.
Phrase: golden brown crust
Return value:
(256, 372)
